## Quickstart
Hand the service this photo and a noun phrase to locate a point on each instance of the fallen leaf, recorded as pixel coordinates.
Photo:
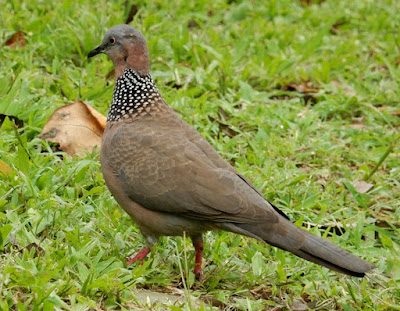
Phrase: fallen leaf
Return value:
(75, 127)
(223, 114)
(305, 90)
(150, 297)
(212, 301)
(193, 24)
(174, 84)
(5, 168)
(298, 305)
(37, 248)
(132, 12)
(17, 39)
(387, 224)
(110, 74)
(261, 292)
(18, 123)
(224, 128)
(303, 87)
(362, 186)
(335, 27)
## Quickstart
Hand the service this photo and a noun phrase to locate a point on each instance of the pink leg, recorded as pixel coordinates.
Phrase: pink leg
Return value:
(198, 246)
(139, 256)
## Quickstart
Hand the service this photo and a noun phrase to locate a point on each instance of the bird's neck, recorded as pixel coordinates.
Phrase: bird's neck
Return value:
(134, 96)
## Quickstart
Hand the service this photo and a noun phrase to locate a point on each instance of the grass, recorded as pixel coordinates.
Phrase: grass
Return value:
(303, 100)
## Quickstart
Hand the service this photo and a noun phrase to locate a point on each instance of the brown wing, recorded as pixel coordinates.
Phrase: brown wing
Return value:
(167, 166)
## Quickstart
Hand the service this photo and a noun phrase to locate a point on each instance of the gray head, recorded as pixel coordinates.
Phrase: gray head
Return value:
(127, 48)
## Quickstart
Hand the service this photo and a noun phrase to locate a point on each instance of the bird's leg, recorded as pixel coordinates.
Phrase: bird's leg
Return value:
(139, 256)
(198, 246)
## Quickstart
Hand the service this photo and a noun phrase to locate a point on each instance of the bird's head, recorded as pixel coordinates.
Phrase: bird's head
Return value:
(127, 48)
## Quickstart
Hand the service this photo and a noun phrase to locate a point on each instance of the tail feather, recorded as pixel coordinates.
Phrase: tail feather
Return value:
(327, 264)
(289, 237)
(324, 253)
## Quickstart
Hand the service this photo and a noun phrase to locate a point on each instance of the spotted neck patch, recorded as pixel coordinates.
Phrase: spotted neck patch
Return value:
(133, 96)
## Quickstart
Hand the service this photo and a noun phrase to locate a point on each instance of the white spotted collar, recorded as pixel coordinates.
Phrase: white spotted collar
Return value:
(133, 95)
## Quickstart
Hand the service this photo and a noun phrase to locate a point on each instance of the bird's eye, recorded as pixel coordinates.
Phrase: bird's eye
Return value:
(112, 40)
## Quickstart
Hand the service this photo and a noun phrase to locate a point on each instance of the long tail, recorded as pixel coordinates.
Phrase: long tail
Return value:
(289, 237)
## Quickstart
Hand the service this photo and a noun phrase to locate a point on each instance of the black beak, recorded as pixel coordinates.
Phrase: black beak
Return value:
(96, 51)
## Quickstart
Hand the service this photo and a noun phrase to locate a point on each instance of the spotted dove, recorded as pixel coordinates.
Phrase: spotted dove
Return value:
(171, 181)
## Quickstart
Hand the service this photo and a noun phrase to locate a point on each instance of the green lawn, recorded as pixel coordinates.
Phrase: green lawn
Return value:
(303, 100)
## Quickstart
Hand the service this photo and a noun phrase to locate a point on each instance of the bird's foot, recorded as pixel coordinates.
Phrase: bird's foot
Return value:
(198, 273)
(139, 256)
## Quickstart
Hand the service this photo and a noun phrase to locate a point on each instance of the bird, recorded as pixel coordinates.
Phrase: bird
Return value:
(172, 182)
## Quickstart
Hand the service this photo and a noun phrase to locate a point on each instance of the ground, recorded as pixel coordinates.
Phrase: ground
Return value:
(302, 98)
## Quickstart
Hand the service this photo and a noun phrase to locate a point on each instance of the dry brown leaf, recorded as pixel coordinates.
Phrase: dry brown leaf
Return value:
(5, 168)
(212, 301)
(17, 39)
(75, 127)
(110, 74)
(362, 186)
(18, 123)
(303, 87)
(261, 292)
(37, 248)
(193, 24)
(299, 305)
(224, 128)
(132, 12)
(335, 27)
